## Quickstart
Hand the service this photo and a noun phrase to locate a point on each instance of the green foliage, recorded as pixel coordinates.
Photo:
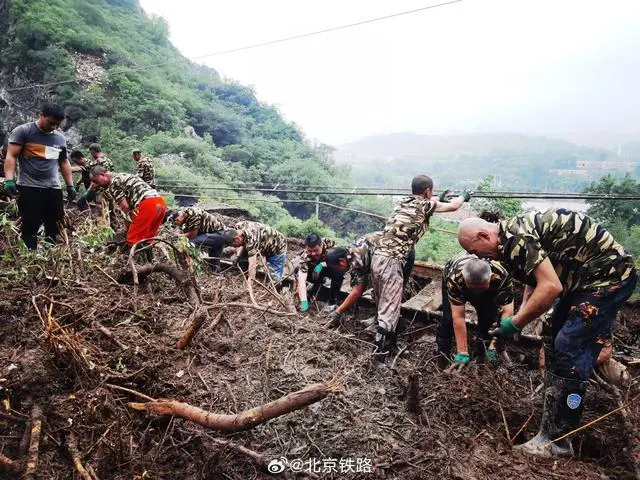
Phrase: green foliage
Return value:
(294, 227)
(610, 212)
(437, 246)
(508, 207)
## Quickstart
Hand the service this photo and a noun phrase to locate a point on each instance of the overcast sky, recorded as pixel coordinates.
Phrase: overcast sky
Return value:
(529, 66)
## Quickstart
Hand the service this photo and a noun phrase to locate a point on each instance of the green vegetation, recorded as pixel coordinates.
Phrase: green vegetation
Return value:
(127, 104)
(621, 217)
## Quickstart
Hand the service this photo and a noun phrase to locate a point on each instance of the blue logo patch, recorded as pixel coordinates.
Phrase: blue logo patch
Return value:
(574, 400)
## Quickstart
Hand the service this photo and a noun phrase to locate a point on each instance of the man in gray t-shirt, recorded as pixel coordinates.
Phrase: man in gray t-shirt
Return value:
(40, 153)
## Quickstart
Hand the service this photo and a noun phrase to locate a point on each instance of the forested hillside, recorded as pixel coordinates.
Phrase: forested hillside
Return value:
(123, 84)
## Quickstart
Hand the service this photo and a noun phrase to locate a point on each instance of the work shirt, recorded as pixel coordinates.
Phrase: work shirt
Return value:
(146, 171)
(200, 221)
(584, 255)
(406, 225)
(359, 255)
(130, 188)
(306, 262)
(500, 284)
(262, 239)
(38, 162)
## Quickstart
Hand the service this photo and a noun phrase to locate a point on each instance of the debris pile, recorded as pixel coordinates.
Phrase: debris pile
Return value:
(93, 384)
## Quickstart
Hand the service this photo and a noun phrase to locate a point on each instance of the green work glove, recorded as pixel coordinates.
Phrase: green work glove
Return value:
(304, 305)
(335, 316)
(443, 196)
(90, 195)
(467, 195)
(71, 193)
(461, 358)
(316, 272)
(506, 328)
(492, 356)
(10, 188)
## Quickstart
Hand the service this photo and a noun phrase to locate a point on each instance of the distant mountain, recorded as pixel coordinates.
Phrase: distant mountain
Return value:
(437, 146)
(515, 161)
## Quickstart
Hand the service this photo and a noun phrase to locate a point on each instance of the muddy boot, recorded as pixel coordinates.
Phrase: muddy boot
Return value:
(563, 404)
(443, 352)
(386, 343)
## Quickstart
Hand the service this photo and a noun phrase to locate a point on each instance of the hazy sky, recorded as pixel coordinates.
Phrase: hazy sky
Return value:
(530, 66)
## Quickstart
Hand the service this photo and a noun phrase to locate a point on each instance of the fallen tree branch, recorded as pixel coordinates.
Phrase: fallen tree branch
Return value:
(34, 444)
(200, 316)
(181, 278)
(109, 334)
(132, 392)
(247, 419)
(255, 307)
(72, 446)
(194, 327)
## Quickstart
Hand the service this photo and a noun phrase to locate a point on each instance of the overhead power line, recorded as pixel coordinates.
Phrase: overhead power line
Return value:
(346, 192)
(254, 45)
(315, 202)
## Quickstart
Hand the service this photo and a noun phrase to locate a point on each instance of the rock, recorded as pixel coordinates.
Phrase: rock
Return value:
(189, 130)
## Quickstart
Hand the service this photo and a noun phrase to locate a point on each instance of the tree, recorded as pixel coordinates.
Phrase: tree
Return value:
(609, 212)
(508, 207)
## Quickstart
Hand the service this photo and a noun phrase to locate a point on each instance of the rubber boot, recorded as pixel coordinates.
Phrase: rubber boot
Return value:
(443, 351)
(563, 405)
(386, 343)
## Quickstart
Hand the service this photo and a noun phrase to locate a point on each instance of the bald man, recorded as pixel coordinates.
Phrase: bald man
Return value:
(488, 287)
(563, 255)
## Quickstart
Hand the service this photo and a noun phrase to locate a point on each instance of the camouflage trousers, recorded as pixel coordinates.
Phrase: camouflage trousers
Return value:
(388, 286)
(580, 325)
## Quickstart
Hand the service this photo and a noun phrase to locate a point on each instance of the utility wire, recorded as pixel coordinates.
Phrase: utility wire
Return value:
(254, 45)
(517, 195)
(327, 204)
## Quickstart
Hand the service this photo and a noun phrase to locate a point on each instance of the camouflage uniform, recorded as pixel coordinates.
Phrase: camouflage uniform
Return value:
(102, 161)
(306, 262)
(208, 228)
(307, 266)
(147, 208)
(488, 304)
(405, 226)
(596, 273)
(266, 241)
(125, 186)
(359, 255)
(146, 171)
(200, 221)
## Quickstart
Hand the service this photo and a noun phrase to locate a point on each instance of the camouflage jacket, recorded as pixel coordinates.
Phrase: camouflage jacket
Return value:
(306, 262)
(200, 221)
(146, 171)
(408, 222)
(585, 255)
(262, 239)
(500, 285)
(102, 161)
(359, 255)
(130, 188)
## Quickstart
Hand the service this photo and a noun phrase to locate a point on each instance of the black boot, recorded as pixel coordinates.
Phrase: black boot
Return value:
(563, 404)
(443, 352)
(386, 343)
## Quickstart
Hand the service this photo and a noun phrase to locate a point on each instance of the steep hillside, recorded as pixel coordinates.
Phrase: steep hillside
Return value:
(123, 83)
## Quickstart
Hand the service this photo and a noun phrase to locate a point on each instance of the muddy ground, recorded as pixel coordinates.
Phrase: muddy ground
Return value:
(405, 422)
